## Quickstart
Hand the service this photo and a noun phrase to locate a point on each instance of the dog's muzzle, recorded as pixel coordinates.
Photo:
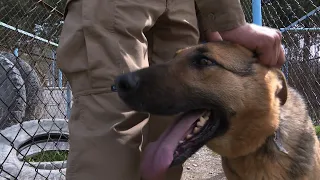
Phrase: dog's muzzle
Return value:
(127, 83)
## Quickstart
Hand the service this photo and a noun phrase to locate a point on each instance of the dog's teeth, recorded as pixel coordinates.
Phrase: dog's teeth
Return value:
(180, 142)
(189, 136)
(206, 118)
(203, 119)
(201, 122)
(196, 130)
(207, 114)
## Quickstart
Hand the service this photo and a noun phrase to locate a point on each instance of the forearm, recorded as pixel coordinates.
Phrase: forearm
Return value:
(220, 15)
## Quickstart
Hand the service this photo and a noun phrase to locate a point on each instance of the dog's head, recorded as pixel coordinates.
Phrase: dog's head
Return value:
(222, 91)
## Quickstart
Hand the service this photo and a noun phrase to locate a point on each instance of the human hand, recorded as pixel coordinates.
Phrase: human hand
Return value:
(265, 41)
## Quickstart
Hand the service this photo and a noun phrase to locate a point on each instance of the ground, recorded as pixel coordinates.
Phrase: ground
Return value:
(203, 165)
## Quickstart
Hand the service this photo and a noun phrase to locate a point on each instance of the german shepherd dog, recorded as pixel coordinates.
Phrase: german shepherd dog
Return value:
(242, 110)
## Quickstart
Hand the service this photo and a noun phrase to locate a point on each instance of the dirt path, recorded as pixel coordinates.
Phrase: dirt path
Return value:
(203, 165)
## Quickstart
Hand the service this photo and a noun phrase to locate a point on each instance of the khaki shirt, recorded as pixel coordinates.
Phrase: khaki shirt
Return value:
(217, 15)
(220, 15)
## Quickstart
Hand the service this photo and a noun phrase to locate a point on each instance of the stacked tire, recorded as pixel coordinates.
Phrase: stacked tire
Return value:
(20, 91)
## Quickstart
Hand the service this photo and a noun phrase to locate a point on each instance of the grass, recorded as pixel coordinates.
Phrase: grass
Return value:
(317, 130)
(48, 156)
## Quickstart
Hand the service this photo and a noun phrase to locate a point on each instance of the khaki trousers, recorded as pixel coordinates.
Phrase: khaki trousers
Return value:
(101, 39)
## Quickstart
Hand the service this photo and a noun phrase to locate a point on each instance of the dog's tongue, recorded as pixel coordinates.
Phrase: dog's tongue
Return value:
(158, 155)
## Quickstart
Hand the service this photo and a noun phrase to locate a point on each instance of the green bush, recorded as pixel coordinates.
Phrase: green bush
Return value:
(317, 130)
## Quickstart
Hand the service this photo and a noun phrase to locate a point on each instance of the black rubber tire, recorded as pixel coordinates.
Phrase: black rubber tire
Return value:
(12, 94)
(19, 141)
(34, 90)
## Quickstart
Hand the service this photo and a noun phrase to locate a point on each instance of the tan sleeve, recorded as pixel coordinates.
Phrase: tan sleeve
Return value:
(220, 15)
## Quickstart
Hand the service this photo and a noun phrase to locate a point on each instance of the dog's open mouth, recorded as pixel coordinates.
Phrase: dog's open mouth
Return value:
(196, 136)
(186, 136)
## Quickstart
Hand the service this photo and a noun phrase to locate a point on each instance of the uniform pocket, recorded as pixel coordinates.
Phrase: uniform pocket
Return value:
(99, 14)
(102, 49)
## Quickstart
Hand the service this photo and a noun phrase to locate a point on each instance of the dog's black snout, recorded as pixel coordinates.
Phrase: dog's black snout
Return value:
(127, 82)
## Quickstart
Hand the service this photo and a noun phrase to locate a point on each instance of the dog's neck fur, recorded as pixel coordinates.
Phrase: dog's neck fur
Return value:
(266, 147)
(256, 145)
(270, 157)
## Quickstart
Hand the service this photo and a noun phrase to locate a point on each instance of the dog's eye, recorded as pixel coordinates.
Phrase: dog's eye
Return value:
(203, 61)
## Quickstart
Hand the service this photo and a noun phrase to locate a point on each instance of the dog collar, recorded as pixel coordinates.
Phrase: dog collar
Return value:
(278, 141)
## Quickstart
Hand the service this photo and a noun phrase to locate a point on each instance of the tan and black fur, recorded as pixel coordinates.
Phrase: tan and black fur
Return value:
(266, 132)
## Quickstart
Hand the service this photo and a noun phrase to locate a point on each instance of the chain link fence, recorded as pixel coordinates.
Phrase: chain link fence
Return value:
(35, 98)
(299, 22)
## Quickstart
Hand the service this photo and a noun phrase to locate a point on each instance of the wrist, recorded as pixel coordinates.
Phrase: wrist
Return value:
(235, 33)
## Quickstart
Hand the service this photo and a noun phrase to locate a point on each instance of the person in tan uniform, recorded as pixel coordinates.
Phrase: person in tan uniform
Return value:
(102, 39)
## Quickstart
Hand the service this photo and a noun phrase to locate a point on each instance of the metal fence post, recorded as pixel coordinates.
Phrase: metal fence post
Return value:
(16, 52)
(60, 78)
(68, 100)
(256, 12)
(53, 69)
(285, 68)
(59, 71)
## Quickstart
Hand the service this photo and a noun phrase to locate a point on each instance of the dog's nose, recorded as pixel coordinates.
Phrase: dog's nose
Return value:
(127, 82)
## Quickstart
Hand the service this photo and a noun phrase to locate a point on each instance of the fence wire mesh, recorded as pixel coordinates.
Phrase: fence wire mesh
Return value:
(299, 22)
(34, 95)
(35, 98)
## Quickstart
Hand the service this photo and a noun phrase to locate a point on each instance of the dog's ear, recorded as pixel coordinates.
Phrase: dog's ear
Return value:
(282, 89)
